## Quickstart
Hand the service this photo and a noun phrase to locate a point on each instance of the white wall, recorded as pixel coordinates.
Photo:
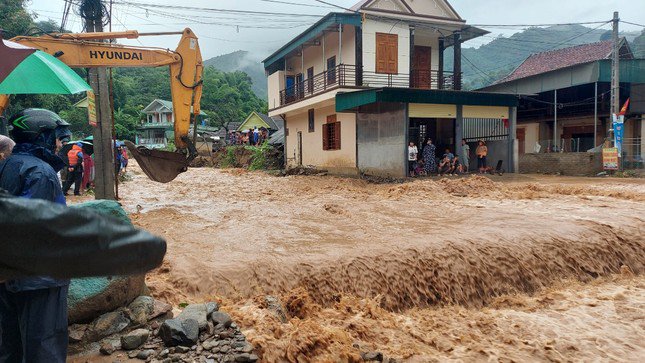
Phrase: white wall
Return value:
(313, 54)
(275, 84)
(531, 136)
(343, 160)
(401, 29)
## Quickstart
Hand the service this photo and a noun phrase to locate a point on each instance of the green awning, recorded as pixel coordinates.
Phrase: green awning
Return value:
(352, 100)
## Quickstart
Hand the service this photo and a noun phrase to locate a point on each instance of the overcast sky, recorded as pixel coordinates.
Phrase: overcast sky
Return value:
(262, 34)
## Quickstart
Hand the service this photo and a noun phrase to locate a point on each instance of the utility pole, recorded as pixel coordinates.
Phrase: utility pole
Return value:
(615, 67)
(92, 12)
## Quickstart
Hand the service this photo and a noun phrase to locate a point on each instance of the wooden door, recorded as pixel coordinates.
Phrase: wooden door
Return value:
(521, 140)
(387, 53)
(421, 67)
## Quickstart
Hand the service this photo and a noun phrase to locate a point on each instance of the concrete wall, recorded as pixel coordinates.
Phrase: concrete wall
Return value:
(341, 161)
(275, 83)
(577, 164)
(531, 136)
(313, 55)
(372, 26)
(497, 150)
(382, 140)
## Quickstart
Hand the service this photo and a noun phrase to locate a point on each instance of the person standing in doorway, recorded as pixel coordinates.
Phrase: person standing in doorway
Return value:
(75, 169)
(430, 158)
(482, 153)
(33, 311)
(413, 153)
(465, 155)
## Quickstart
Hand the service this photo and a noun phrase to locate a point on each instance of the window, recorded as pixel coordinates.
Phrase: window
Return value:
(387, 53)
(331, 70)
(311, 120)
(331, 134)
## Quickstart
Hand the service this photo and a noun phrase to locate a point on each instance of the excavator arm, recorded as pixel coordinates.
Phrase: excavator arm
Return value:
(84, 50)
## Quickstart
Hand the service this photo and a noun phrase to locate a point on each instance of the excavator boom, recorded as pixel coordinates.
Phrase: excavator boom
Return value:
(85, 50)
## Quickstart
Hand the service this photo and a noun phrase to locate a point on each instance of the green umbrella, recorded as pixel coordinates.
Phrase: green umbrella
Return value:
(25, 70)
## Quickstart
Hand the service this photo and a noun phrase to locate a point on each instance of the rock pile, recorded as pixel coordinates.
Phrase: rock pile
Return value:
(146, 330)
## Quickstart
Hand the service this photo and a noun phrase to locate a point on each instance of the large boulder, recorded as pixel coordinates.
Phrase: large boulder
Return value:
(91, 297)
(176, 332)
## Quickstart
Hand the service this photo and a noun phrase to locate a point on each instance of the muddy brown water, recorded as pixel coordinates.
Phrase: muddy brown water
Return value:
(463, 268)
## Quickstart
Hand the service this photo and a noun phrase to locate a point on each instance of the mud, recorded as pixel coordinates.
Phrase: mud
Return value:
(417, 270)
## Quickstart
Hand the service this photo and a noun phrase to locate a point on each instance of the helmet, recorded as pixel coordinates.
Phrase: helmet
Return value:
(39, 126)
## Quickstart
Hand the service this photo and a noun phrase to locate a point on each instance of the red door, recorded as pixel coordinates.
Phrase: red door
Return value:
(421, 67)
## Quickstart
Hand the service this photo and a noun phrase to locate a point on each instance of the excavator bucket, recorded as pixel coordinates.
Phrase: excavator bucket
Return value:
(160, 166)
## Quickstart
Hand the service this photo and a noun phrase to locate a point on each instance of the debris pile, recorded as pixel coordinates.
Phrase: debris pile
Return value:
(147, 330)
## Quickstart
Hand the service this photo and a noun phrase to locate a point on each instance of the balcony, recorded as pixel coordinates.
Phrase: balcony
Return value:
(349, 76)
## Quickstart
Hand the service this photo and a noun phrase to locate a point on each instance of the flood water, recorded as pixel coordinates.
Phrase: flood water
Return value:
(515, 268)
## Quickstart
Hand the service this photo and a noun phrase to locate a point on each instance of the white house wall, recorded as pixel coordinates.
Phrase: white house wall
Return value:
(338, 161)
(313, 54)
(372, 26)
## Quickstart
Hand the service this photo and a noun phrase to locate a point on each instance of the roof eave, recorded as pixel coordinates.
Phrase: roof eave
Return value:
(312, 32)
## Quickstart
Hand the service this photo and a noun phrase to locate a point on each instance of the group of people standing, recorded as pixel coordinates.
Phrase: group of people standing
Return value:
(449, 163)
(253, 137)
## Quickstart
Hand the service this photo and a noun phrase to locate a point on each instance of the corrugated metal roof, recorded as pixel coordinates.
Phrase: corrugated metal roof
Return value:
(562, 58)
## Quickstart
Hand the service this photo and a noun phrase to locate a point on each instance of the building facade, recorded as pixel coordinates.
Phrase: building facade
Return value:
(565, 107)
(356, 87)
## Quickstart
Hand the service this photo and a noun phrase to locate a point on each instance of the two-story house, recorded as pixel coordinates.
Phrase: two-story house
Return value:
(357, 86)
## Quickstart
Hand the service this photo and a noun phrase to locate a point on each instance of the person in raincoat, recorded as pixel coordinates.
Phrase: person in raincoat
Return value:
(33, 310)
(74, 169)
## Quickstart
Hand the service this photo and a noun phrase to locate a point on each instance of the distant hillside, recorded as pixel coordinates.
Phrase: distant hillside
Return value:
(245, 62)
(492, 61)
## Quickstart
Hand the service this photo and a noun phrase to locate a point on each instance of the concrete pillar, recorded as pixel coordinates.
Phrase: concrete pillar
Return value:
(459, 128)
(440, 71)
(513, 149)
(457, 60)
(411, 60)
(358, 41)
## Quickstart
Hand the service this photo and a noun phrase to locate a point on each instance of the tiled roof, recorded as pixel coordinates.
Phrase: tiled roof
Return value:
(560, 58)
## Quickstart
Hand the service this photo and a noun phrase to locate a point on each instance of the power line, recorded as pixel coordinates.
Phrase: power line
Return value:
(296, 4)
(627, 22)
(216, 10)
(535, 25)
(336, 6)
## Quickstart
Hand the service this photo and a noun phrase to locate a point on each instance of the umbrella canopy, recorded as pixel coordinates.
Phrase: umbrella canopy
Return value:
(88, 148)
(25, 70)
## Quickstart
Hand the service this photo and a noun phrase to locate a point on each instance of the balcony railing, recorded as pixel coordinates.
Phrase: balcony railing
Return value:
(345, 75)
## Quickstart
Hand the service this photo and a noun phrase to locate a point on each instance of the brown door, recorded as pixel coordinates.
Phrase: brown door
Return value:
(310, 80)
(421, 67)
(521, 140)
(387, 53)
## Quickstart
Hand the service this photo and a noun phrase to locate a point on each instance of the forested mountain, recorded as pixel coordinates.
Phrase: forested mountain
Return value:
(243, 61)
(494, 60)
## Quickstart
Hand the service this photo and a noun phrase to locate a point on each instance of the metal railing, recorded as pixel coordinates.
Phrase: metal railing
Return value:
(152, 141)
(346, 75)
(571, 145)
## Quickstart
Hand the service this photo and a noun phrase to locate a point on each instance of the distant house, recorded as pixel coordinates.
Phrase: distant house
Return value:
(157, 128)
(259, 120)
(565, 106)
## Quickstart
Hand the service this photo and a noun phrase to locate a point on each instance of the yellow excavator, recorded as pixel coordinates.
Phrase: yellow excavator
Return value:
(85, 50)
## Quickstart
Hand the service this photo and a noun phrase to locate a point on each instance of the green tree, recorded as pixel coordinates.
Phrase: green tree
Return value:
(14, 17)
